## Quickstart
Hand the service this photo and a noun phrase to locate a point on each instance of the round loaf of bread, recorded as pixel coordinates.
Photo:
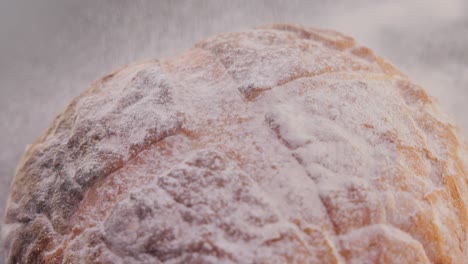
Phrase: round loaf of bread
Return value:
(282, 144)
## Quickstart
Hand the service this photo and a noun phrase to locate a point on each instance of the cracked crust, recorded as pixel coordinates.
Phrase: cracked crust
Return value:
(282, 144)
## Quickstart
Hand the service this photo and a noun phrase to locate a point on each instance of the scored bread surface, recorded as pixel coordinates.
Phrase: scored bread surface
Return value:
(282, 144)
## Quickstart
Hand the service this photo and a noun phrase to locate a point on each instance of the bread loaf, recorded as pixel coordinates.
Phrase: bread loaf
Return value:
(282, 144)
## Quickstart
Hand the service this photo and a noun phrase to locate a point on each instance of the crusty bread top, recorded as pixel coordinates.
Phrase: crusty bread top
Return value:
(279, 144)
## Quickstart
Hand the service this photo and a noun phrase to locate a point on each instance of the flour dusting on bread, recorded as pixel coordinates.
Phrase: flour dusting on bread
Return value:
(282, 144)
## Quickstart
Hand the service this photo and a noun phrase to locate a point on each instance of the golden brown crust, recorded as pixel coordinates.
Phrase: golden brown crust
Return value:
(280, 144)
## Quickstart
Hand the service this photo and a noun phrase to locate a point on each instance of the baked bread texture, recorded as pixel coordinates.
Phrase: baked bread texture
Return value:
(282, 144)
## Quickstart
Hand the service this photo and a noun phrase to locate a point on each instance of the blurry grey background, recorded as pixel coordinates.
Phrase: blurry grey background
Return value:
(51, 50)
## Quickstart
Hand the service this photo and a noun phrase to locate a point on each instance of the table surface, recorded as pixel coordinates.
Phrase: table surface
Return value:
(51, 50)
